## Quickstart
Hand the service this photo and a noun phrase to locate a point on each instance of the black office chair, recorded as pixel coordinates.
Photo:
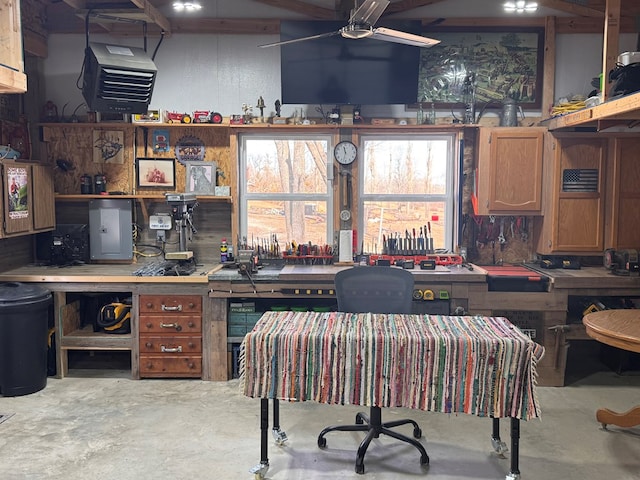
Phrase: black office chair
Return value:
(375, 290)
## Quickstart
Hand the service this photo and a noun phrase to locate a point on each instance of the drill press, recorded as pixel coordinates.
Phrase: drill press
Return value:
(182, 205)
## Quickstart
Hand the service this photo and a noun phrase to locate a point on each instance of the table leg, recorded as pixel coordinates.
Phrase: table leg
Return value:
(515, 449)
(261, 469)
(628, 419)
(279, 435)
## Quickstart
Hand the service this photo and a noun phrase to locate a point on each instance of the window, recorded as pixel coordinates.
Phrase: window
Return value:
(407, 185)
(285, 190)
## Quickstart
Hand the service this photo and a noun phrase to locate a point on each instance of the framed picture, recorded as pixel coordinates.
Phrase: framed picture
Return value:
(156, 173)
(490, 63)
(201, 177)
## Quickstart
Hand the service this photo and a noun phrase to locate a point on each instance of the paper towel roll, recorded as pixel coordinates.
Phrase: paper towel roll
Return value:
(345, 248)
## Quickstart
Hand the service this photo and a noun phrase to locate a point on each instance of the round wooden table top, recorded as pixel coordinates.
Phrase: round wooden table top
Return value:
(618, 328)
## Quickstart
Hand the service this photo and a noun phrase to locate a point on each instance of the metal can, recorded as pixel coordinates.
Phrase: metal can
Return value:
(86, 185)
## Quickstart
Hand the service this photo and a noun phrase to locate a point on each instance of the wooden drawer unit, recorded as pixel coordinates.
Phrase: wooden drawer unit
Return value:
(170, 336)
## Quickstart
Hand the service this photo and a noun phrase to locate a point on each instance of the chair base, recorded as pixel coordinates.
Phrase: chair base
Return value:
(372, 424)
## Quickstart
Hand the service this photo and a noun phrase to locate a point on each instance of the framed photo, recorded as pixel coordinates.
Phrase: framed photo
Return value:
(498, 62)
(156, 173)
(201, 177)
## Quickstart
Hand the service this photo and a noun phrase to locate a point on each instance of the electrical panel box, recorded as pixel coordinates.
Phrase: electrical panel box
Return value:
(110, 230)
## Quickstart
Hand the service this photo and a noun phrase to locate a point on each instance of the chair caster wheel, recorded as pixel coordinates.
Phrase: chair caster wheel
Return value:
(322, 442)
(424, 459)
(417, 433)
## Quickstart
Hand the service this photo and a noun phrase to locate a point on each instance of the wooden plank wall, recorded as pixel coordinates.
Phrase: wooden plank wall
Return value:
(15, 252)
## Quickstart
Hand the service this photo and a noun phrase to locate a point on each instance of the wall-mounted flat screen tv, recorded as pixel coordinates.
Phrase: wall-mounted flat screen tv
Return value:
(342, 71)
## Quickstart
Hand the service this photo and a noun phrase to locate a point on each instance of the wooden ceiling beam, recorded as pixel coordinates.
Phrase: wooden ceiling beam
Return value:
(406, 5)
(572, 8)
(304, 8)
(241, 26)
(153, 14)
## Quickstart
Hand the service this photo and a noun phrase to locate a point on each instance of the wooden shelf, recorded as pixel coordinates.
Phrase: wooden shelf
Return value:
(139, 197)
(87, 339)
(621, 110)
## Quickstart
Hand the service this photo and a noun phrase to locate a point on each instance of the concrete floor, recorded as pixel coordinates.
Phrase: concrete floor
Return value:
(102, 425)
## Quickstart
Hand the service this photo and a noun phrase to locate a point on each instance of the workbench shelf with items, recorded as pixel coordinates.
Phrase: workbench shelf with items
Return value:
(623, 110)
(75, 317)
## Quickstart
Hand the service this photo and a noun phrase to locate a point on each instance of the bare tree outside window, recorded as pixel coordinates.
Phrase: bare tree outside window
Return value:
(285, 189)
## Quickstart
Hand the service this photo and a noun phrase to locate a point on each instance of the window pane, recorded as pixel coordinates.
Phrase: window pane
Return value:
(300, 221)
(395, 219)
(405, 166)
(286, 165)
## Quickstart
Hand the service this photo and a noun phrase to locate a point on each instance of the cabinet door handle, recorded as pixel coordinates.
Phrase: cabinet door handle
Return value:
(177, 349)
(166, 308)
(171, 325)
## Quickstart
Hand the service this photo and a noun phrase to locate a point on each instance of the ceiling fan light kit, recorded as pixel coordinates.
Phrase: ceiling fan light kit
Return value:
(520, 6)
(186, 6)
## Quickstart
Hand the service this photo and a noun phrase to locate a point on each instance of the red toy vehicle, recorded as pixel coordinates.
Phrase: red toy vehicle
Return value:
(175, 117)
(202, 116)
(205, 116)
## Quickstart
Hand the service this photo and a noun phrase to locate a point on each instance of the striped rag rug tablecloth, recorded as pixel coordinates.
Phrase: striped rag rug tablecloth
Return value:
(476, 365)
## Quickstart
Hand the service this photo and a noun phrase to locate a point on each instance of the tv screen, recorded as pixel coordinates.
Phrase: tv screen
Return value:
(338, 70)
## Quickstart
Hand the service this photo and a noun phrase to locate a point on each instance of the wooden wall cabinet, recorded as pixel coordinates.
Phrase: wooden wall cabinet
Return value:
(170, 336)
(12, 76)
(574, 212)
(27, 199)
(509, 174)
(622, 213)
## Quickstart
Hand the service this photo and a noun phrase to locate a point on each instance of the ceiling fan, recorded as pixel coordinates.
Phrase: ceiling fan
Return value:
(360, 25)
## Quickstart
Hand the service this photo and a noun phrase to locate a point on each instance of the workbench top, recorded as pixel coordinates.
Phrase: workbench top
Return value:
(326, 273)
(588, 278)
(100, 273)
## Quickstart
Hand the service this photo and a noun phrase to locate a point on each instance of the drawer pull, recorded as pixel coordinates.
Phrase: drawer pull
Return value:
(177, 349)
(171, 325)
(177, 308)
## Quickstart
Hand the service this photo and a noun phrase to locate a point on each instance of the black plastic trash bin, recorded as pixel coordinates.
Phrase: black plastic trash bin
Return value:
(24, 315)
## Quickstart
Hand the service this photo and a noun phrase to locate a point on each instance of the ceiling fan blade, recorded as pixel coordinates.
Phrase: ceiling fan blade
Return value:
(303, 39)
(369, 12)
(389, 35)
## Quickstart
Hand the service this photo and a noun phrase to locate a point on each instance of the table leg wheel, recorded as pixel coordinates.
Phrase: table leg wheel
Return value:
(512, 476)
(417, 433)
(322, 442)
(260, 471)
(279, 436)
(499, 446)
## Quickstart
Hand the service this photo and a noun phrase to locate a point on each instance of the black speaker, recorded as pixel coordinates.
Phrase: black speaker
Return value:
(117, 78)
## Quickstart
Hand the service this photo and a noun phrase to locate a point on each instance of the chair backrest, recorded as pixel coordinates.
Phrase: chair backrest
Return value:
(374, 290)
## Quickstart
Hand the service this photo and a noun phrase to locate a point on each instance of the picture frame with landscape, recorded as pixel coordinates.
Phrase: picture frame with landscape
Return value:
(500, 62)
